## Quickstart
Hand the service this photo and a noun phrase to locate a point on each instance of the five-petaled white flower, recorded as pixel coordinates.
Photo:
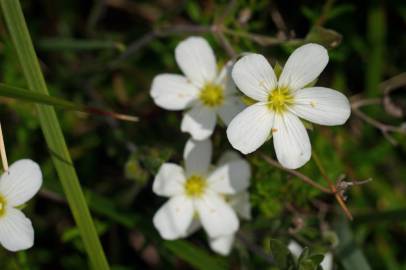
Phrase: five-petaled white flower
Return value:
(240, 202)
(198, 193)
(282, 101)
(205, 91)
(18, 185)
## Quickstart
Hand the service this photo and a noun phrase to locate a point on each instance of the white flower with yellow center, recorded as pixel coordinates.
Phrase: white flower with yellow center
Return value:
(280, 103)
(203, 89)
(197, 193)
(18, 185)
(239, 202)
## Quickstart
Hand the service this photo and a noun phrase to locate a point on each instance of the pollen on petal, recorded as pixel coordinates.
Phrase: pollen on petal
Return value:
(313, 104)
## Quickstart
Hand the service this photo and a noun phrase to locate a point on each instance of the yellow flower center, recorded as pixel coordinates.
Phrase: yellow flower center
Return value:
(2, 205)
(212, 95)
(279, 99)
(195, 186)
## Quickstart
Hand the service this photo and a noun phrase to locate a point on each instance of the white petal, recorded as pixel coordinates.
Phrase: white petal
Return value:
(295, 248)
(223, 244)
(322, 106)
(21, 183)
(291, 142)
(199, 122)
(169, 180)
(327, 263)
(226, 80)
(197, 156)
(230, 178)
(254, 76)
(216, 216)
(227, 157)
(250, 128)
(303, 66)
(174, 218)
(196, 59)
(241, 204)
(173, 92)
(16, 231)
(231, 107)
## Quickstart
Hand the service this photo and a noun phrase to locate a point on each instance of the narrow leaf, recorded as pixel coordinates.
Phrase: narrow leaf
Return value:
(23, 94)
(51, 129)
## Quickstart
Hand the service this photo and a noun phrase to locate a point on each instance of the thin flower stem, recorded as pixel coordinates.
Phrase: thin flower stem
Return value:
(301, 176)
(3, 151)
(333, 189)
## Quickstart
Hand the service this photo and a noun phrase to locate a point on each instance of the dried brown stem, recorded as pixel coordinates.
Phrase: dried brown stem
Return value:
(301, 176)
(333, 188)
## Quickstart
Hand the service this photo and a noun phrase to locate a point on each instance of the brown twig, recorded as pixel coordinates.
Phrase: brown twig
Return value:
(198, 29)
(333, 188)
(324, 13)
(279, 22)
(301, 176)
(386, 129)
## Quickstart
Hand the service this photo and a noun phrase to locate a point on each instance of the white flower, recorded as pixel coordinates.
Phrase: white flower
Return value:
(198, 192)
(241, 204)
(281, 103)
(296, 250)
(17, 186)
(203, 91)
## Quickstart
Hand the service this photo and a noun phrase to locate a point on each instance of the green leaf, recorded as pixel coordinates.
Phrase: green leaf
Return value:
(23, 94)
(278, 70)
(196, 257)
(281, 254)
(51, 129)
(317, 258)
(349, 254)
(303, 256)
(326, 37)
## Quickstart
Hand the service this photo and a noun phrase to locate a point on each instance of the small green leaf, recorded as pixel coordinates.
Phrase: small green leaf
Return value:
(281, 254)
(304, 255)
(278, 70)
(308, 125)
(317, 258)
(326, 37)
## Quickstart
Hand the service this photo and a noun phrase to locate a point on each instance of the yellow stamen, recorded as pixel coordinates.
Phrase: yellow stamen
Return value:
(212, 95)
(279, 99)
(195, 186)
(2, 206)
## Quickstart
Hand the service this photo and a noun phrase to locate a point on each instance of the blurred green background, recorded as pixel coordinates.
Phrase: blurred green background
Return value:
(106, 53)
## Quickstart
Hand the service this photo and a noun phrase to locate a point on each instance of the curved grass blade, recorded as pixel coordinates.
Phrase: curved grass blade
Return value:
(51, 129)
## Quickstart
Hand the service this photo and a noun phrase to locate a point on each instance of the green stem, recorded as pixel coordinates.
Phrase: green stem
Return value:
(53, 134)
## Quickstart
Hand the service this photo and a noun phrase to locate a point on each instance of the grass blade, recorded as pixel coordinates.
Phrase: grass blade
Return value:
(51, 129)
(23, 94)
(348, 252)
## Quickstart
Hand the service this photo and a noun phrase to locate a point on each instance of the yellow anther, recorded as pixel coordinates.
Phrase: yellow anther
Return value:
(195, 186)
(212, 95)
